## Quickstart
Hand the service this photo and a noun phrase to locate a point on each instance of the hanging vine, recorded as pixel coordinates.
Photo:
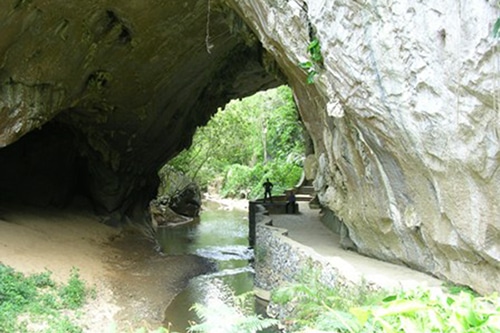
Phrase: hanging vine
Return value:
(209, 46)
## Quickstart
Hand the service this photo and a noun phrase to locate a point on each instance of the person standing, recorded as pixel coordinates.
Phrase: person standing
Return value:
(268, 187)
(290, 201)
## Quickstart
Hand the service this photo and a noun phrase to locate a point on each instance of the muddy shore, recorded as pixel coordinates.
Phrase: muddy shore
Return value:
(134, 283)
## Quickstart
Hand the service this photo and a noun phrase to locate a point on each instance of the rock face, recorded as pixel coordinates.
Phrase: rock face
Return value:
(179, 192)
(95, 97)
(404, 116)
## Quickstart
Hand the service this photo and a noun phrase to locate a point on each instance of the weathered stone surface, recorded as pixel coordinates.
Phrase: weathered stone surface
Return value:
(179, 192)
(163, 216)
(310, 167)
(404, 119)
(127, 83)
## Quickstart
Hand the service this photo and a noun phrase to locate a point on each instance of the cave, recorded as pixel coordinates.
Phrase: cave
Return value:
(401, 107)
(103, 97)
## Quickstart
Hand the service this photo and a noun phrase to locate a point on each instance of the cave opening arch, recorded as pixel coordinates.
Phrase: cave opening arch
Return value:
(96, 116)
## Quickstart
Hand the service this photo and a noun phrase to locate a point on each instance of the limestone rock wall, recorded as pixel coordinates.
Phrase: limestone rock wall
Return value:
(404, 116)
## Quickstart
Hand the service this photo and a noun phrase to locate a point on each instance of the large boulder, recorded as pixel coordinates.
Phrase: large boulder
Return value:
(179, 192)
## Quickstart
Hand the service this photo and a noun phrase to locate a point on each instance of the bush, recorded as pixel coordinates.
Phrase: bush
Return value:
(243, 179)
(73, 294)
(356, 310)
(38, 300)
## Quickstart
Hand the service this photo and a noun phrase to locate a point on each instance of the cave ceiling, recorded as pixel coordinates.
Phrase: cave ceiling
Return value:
(96, 96)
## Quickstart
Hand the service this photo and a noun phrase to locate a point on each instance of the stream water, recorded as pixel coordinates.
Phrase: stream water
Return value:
(222, 237)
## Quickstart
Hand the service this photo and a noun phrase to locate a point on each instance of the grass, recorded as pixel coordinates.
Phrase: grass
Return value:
(36, 303)
(356, 310)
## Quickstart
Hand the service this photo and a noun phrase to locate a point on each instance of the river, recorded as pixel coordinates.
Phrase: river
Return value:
(222, 237)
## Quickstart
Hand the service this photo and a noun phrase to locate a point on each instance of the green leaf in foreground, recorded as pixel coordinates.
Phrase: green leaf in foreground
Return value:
(342, 309)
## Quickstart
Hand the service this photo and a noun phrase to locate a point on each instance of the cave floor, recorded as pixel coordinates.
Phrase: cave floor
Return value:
(307, 229)
(134, 284)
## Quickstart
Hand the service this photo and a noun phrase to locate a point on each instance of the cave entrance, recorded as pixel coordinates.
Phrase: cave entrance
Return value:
(246, 142)
(43, 168)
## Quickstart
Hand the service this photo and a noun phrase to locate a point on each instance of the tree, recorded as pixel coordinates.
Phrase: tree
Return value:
(249, 140)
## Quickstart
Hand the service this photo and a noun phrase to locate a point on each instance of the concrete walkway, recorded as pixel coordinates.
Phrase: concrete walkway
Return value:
(307, 229)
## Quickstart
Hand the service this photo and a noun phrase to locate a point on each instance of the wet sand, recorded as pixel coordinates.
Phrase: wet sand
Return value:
(134, 283)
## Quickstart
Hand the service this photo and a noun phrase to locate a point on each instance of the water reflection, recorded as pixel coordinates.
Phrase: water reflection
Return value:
(222, 237)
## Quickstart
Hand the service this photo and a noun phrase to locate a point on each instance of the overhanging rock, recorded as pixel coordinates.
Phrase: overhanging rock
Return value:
(96, 97)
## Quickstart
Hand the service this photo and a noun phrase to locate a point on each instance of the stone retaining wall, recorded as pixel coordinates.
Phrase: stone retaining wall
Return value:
(279, 259)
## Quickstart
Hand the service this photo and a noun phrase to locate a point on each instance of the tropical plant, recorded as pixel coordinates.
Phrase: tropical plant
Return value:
(74, 293)
(319, 306)
(315, 60)
(362, 309)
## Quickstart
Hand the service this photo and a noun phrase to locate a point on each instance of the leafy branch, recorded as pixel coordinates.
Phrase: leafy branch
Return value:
(315, 60)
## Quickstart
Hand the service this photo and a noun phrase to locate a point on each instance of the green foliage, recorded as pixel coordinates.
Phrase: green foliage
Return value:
(37, 299)
(320, 306)
(63, 325)
(257, 137)
(315, 60)
(432, 310)
(249, 180)
(74, 293)
(496, 28)
(455, 289)
(237, 317)
(355, 310)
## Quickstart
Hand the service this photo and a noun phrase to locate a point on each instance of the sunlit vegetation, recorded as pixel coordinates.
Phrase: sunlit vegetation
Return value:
(315, 62)
(36, 303)
(358, 310)
(250, 140)
(236, 317)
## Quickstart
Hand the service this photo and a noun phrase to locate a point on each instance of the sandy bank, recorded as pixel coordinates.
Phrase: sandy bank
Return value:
(134, 283)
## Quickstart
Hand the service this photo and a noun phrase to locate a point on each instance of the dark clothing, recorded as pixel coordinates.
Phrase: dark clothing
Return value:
(290, 202)
(268, 186)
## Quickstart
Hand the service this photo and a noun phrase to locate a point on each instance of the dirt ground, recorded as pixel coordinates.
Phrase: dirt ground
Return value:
(134, 284)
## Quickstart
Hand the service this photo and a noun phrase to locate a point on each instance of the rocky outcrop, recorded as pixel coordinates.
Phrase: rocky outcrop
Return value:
(179, 192)
(403, 113)
(404, 116)
(163, 216)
